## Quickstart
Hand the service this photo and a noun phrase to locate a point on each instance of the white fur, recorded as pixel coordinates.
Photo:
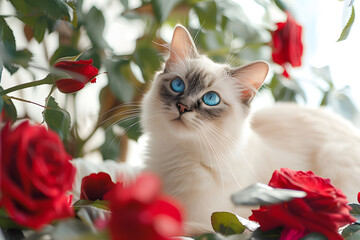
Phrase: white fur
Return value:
(203, 162)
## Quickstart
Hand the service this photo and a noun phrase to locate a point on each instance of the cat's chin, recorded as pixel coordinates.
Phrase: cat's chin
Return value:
(180, 128)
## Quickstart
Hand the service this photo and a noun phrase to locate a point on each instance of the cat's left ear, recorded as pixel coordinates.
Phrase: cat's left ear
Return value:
(250, 78)
(182, 46)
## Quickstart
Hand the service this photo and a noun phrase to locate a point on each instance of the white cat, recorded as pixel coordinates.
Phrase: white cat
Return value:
(206, 145)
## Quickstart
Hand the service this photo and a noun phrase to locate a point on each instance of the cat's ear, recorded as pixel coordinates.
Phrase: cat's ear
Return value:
(250, 78)
(182, 46)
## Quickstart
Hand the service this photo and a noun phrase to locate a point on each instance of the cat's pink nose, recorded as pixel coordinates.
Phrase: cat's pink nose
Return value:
(182, 108)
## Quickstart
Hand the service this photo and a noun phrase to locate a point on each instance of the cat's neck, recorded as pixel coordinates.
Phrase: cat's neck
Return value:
(216, 153)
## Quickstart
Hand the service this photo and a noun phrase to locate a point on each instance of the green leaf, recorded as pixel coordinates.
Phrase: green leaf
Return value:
(147, 58)
(1, 68)
(9, 109)
(226, 223)
(57, 119)
(355, 211)
(281, 5)
(314, 236)
(98, 204)
(162, 8)
(132, 127)
(210, 236)
(22, 58)
(74, 20)
(350, 230)
(262, 194)
(63, 51)
(111, 149)
(207, 14)
(8, 223)
(286, 90)
(346, 31)
(39, 28)
(8, 38)
(119, 74)
(95, 23)
(21, 6)
(273, 234)
(1, 104)
(353, 236)
(341, 103)
(54, 9)
(7, 46)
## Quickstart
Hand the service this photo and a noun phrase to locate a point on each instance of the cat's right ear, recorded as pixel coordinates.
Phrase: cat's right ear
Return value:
(182, 46)
(250, 78)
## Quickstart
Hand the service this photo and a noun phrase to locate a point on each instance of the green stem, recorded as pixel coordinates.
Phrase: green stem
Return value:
(46, 80)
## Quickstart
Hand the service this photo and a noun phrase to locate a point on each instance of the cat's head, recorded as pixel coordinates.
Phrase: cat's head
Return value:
(192, 95)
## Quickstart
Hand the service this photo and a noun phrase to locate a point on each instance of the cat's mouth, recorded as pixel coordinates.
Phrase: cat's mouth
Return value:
(179, 120)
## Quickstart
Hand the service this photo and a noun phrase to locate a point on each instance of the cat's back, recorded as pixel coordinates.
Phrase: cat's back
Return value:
(292, 120)
(313, 139)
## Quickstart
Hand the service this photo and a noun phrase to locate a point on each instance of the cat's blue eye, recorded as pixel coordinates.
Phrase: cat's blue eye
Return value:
(178, 85)
(211, 98)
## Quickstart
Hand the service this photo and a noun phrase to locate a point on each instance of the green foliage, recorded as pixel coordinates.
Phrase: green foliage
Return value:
(111, 148)
(95, 24)
(162, 8)
(9, 109)
(7, 46)
(1, 104)
(351, 231)
(119, 74)
(131, 125)
(262, 194)
(57, 118)
(207, 14)
(346, 31)
(273, 234)
(226, 223)
(98, 204)
(314, 236)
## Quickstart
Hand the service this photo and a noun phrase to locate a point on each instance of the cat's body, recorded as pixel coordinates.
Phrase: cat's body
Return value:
(206, 145)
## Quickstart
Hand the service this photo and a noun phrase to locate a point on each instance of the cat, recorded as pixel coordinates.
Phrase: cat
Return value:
(206, 144)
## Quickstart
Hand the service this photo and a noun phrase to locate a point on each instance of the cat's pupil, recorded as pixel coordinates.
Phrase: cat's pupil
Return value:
(177, 85)
(211, 98)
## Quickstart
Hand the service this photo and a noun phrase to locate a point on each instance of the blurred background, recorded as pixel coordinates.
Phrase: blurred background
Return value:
(125, 37)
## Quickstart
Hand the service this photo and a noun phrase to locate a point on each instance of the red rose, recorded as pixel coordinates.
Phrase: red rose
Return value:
(323, 210)
(287, 45)
(95, 186)
(80, 72)
(35, 175)
(140, 211)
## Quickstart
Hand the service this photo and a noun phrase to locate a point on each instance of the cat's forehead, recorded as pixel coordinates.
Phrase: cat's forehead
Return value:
(201, 73)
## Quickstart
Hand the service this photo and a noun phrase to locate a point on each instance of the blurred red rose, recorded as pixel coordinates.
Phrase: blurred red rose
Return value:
(287, 45)
(80, 72)
(323, 210)
(35, 175)
(95, 186)
(140, 211)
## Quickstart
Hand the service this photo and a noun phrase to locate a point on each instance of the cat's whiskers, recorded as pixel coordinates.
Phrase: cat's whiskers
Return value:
(239, 151)
(126, 129)
(223, 140)
(126, 112)
(201, 143)
(123, 105)
(216, 156)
